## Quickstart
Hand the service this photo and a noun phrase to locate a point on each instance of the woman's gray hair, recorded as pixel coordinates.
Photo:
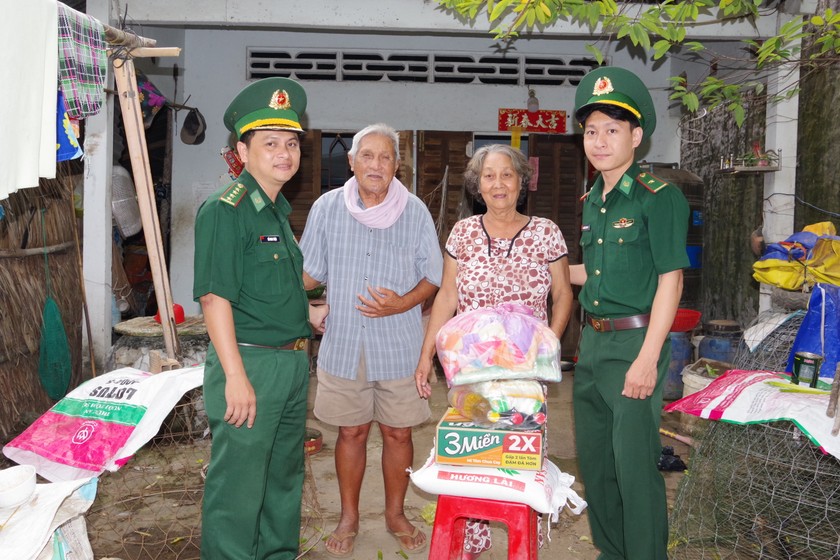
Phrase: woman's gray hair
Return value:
(381, 129)
(472, 175)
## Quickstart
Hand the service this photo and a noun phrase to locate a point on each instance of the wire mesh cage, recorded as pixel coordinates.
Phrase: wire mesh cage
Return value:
(758, 491)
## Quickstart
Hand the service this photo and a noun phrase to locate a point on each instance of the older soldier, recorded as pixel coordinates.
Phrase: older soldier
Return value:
(249, 280)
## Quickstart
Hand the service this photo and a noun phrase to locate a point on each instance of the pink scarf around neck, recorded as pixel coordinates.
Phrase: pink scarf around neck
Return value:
(384, 214)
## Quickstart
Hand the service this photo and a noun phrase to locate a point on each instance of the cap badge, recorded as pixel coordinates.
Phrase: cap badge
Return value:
(280, 100)
(602, 86)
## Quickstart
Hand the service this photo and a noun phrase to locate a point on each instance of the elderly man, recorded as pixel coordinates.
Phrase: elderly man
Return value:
(374, 246)
(249, 280)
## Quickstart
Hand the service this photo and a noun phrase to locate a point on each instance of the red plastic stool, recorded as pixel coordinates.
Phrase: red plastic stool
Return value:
(451, 518)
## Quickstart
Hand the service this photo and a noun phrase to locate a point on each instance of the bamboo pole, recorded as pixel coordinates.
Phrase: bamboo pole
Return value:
(118, 37)
(126, 79)
(19, 253)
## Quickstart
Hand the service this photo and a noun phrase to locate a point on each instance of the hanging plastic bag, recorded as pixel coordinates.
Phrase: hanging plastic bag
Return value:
(820, 331)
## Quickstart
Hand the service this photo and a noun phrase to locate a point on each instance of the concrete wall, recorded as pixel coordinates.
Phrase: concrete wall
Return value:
(212, 71)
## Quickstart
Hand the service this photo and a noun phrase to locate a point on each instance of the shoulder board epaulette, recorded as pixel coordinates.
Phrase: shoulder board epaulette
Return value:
(650, 182)
(233, 194)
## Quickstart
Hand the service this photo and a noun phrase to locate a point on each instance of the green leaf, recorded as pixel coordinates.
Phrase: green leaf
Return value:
(595, 52)
(660, 48)
(544, 9)
(738, 112)
(691, 102)
(499, 9)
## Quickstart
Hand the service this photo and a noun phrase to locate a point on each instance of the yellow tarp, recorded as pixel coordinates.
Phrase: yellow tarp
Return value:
(821, 265)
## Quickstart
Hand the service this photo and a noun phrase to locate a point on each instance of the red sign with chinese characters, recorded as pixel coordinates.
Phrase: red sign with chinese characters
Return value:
(548, 122)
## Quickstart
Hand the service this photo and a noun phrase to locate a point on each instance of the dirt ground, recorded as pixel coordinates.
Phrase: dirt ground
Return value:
(570, 538)
(150, 508)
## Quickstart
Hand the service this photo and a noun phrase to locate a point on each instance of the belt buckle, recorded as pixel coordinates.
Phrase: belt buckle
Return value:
(300, 344)
(598, 325)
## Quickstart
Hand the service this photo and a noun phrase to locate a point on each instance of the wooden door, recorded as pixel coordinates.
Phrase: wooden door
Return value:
(302, 189)
(437, 151)
(560, 185)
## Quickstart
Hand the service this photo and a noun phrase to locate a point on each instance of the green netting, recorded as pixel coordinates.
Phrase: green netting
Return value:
(54, 366)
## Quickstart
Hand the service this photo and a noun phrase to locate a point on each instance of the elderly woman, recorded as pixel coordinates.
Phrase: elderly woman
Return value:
(499, 257)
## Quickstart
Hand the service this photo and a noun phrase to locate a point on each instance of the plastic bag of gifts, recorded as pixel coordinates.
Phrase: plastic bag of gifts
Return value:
(514, 404)
(494, 343)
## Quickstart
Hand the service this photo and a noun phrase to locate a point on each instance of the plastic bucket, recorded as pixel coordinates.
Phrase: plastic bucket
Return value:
(720, 340)
(682, 352)
(692, 383)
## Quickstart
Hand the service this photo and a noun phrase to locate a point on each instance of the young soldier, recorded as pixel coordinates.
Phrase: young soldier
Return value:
(633, 236)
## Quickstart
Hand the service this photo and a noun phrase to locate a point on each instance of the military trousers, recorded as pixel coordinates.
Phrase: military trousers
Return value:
(252, 495)
(618, 446)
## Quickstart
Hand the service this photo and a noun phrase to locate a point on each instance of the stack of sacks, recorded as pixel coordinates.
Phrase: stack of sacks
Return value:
(492, 438)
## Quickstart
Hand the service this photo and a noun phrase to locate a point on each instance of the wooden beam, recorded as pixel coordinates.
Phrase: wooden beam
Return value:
(135, 133)
(150, 52)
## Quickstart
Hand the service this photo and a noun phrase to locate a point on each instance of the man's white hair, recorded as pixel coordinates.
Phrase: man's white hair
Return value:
(381, 129)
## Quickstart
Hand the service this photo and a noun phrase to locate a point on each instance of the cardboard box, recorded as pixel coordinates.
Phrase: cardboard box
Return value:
(460, 442)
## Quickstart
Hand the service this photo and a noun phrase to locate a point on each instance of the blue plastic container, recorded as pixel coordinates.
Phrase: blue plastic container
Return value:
(720, 340)
(682, 354)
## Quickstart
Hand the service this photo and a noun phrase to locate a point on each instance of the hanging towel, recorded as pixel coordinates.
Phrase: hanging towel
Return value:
(29, 41)
(82, 61)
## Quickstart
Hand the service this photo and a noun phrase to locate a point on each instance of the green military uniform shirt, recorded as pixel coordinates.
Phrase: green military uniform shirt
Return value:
(245, 253)
(628, 240)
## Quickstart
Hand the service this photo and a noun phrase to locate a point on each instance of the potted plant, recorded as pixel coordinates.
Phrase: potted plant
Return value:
(759, 158)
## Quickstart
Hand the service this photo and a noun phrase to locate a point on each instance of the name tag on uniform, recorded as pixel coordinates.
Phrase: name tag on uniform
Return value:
(585, 227)
(269, 239)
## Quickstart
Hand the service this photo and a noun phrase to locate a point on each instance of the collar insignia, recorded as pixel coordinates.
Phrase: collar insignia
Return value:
(259, 203)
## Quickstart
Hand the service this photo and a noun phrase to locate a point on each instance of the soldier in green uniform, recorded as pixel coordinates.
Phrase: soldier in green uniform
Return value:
(633, 235)
(249, 281)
